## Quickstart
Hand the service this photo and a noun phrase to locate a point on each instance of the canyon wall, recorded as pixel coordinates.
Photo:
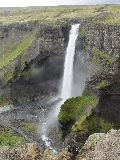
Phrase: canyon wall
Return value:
(37, 69)
(97, 110)
(101, 49)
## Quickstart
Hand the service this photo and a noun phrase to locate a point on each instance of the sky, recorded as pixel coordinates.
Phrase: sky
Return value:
(25, 3)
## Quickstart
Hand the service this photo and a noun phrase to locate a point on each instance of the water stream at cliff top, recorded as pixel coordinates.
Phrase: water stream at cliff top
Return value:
(66, 91)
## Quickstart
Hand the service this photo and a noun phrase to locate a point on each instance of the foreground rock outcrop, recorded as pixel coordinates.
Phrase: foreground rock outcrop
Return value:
(99, 146)
(31, 151)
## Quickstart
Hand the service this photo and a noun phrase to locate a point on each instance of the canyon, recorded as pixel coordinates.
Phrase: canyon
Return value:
(31, 69)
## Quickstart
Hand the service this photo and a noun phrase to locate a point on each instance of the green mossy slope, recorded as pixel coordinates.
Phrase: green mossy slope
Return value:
(74, 107)
(18, 49)
(8, 138)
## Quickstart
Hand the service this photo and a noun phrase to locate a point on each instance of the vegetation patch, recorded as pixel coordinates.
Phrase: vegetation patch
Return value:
(28, 72)
(62, 13)
(82, 32)
(29, 127)
(102, 84)
(103, 56)
(85, 123)
(101, 59)
(3, 99)
(18, 49)
(73, 107)
(60, 137)
(8, 138)
(90, 126)
(106, 126)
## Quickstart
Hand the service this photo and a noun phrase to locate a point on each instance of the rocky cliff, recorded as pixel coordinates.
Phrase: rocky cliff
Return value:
(102, 46)
(33, 64)
(97, 110)
(98, 146)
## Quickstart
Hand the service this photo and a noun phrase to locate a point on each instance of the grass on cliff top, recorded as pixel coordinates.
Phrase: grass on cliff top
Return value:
(24, 15)
(113, 14)
(17, 49)
(8, 138)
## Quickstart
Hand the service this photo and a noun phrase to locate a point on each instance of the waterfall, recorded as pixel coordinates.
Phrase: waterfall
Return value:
(52, 116)
(68, 65)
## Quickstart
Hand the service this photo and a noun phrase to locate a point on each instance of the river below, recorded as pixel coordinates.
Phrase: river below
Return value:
(27, 119)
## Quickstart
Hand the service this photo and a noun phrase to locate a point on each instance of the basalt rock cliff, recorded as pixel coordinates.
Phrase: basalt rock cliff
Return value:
(97, 110)
(36, 71)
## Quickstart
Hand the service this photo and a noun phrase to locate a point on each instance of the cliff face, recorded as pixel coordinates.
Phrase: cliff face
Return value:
(97, 110)
(102, 46)
(37, 69)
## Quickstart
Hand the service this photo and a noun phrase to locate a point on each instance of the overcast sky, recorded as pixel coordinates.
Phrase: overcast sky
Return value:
(25, 3)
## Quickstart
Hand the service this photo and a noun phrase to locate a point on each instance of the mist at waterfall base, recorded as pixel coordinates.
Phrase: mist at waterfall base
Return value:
(73, 83)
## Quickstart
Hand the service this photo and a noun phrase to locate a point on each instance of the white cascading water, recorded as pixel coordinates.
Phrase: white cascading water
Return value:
(66, 83)
(68, 66)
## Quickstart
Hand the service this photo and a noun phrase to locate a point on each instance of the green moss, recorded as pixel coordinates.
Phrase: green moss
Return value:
(60, 137)
(3, 99)
(81, 125)
(8, 76)
(96, 61)
(106, 126)
(101, 59)
(91, 125)
(73, 107)
(103, 56)
(29, 127)
(102, 84)
(83, 32)
(8, 138)
(18, 49)
(26, 73)
(12, 70)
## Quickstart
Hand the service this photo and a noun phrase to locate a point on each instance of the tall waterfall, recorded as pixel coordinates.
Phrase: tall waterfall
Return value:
(68, 65)
(52, 116)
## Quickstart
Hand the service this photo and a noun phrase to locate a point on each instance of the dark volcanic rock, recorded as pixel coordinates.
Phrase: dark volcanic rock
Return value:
(38, 71)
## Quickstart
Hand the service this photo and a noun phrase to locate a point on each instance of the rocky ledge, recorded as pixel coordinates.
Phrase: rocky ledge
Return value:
(101, 146)
(98, 146)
